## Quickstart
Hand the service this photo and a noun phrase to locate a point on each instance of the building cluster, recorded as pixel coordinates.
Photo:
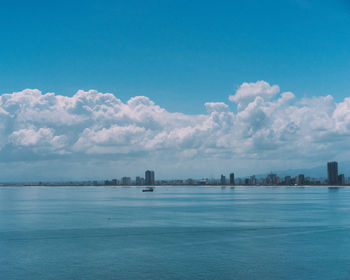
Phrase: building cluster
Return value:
(300, 180)
(272, 179)
(148, 180)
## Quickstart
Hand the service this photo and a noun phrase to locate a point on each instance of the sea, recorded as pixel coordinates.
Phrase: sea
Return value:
(174, 232)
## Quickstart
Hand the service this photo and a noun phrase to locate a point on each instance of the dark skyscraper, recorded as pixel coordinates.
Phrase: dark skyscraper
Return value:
(149, 178)
(332, 168)
(301, 179)
(232, 178)
(223, 180)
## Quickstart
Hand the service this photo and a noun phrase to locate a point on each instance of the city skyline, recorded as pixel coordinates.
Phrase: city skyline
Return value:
(332, 178)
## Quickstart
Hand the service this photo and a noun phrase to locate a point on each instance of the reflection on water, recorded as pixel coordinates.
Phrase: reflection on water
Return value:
(333, 189)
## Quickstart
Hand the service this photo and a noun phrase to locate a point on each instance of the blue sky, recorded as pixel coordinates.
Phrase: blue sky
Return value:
(199, 88)
(179, 53)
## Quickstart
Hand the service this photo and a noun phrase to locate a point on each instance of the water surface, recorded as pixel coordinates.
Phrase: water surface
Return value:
(174, 233)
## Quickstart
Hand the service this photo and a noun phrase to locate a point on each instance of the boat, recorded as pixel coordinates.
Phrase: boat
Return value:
(150, 189)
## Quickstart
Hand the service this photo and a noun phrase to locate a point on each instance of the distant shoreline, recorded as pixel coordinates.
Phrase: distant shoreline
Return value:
(157, 186)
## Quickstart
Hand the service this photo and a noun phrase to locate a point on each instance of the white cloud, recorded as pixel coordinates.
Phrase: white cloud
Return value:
(216, 107)
(247, 92)
(267, 125)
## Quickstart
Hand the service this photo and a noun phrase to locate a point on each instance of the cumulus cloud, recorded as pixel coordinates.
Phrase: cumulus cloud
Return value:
(247, 93)
(266, 124)
(216, 107)
(37, 138)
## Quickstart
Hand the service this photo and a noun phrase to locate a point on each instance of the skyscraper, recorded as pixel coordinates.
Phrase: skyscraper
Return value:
(149, 178)
(300, 179)
(341, 179)
(332, 168)
(287, 180)
(232, 178)
(223, 180)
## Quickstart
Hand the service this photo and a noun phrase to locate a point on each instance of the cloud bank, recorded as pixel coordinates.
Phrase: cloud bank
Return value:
(258, 123)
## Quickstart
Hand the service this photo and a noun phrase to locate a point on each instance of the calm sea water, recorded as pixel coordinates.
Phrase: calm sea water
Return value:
(174, 233)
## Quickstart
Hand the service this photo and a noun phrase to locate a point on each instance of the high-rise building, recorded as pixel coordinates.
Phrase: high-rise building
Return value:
(138, 181)
(149, 178)
(223, 180)
(252, 180)
(307, 181)
(288, 180)
(341, 179)
(232, 178)
(126, 181)
(271, 179)
(300, 179)
(332, 170)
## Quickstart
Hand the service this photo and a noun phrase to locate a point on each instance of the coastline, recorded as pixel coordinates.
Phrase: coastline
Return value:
(162, 186)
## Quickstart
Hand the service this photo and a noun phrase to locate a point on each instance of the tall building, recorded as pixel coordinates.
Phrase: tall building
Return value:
(232, 178)
(332, 169)
(271, 179)
(126, 181)
(149, 178)
(300, 179)
(288, 180)
(223, 180)
(341, 179)
(138, 181)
